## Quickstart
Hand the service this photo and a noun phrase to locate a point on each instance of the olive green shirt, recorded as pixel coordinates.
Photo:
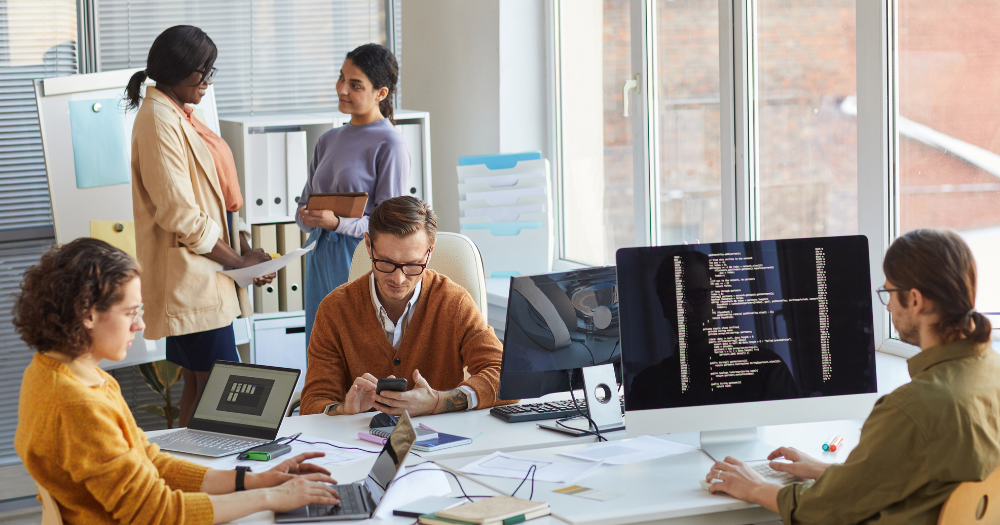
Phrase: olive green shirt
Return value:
(918, 444)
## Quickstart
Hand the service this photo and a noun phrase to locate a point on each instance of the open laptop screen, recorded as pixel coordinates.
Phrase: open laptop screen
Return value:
(243, 399)
(393, 455)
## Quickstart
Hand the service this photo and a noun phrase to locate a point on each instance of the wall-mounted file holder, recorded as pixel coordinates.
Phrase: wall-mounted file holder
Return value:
(498, 161)
(523, 218)
(528, 252)
(482, 208)
(506, 211)
(504, 197)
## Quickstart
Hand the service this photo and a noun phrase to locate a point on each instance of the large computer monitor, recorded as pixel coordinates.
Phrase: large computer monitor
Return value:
(727, 337)
(558, 322)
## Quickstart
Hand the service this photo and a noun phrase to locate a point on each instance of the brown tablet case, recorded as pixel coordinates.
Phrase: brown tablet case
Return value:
(348, 205)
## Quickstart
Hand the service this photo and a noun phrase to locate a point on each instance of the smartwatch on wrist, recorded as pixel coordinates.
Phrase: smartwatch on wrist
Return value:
(330, 408)
(241, 473)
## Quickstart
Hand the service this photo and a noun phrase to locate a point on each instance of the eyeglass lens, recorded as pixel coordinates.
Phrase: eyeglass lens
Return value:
(408, 269)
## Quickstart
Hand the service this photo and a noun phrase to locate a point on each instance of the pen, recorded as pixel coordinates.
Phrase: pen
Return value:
(372, 438)
(836, 443)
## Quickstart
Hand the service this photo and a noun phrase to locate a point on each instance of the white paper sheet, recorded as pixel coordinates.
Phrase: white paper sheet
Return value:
(334, 456)
(244, 276)
(642, 448)
(503, 465)
(429, 481)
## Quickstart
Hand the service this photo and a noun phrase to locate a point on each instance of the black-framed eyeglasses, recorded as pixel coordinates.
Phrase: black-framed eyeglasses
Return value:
(410, 269)
(209, 75)
(884, 294)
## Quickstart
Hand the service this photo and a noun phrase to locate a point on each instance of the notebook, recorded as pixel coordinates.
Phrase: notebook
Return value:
(348, 205)
(496, 510)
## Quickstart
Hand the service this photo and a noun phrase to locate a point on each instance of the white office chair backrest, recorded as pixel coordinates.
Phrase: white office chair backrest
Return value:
(455, 256)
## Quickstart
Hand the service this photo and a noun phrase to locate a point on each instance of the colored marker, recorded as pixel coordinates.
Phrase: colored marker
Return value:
(836, 443)
(427, 428)
(826, 444)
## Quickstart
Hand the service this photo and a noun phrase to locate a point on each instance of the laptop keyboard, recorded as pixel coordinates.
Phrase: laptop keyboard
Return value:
(350, 503)
(226, 443)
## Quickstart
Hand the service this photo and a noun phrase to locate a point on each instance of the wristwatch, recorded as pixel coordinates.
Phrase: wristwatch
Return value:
(241, 472)
(330, 408)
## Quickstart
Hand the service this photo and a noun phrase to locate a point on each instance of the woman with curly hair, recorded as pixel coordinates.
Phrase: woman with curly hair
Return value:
(76, 436)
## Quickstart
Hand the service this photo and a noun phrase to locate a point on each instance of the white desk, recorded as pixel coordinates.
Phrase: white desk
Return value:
(664, 490)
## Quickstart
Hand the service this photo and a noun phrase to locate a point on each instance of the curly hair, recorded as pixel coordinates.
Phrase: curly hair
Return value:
(60, 291)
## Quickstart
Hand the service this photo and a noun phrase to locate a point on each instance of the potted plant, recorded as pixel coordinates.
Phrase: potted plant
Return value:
(160, 376)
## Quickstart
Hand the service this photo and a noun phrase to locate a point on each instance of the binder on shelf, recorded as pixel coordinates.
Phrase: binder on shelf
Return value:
(276, 171)
(413, 137)
(290, 277)
(265, 298)
(296, 169)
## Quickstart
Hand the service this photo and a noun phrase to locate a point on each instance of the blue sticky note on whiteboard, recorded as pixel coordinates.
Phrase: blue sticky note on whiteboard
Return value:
(99, 142)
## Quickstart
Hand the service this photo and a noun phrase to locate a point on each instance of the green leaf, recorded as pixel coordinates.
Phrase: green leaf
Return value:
(167, 372)
(153, 409)
(149, 376)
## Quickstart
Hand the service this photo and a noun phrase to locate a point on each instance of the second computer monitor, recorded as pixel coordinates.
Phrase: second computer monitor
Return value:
(733, 335)
(558, 322)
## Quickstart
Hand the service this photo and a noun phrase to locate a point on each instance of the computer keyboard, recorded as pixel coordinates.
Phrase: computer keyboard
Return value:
(231, 444)
(350, 503)
(539, 411)
(763, 467)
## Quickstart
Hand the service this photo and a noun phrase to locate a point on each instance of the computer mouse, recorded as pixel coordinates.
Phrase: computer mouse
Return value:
(382, 420)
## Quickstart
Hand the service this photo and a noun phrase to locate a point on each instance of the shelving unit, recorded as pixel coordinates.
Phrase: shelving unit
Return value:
(272, 155)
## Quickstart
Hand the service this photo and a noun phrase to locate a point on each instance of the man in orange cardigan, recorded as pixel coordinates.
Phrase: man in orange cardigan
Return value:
(401, 320)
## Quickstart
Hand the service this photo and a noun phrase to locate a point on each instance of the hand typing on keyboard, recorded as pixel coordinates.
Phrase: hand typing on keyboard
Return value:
(756, 481)
(798, 464)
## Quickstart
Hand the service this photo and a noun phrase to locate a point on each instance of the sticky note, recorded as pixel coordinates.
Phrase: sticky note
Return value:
(106, 231)
(99, 147)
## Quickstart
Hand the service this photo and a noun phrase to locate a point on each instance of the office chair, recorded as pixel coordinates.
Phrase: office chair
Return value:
(973, 502)
(455, 256)
(294, 404)
(50, 511)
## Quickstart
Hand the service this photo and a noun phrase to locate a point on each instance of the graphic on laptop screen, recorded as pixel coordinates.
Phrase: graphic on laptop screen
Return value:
(245, 395)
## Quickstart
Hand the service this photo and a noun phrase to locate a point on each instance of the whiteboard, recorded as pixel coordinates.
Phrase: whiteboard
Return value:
(73, 208)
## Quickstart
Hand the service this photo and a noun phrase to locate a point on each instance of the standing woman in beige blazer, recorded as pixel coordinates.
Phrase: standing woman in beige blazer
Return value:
(185, 193)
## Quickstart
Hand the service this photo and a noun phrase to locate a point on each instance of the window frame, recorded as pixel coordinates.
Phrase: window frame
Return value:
(877, 138)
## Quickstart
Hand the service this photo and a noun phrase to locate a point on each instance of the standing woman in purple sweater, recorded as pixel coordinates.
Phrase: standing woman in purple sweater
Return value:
(368, 154)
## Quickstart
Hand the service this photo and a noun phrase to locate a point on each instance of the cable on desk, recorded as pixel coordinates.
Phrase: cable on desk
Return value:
(531, 471)
(597, 430)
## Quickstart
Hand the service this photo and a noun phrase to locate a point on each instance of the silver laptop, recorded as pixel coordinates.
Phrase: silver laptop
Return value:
(359, 500)
(241, 407)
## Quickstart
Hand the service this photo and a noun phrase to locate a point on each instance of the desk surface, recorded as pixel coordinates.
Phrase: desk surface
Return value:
(664, 489)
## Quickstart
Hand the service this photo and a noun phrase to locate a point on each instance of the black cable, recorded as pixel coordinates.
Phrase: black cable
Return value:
(597, 430)
(582, 342)
(336, 446)
(531, 471)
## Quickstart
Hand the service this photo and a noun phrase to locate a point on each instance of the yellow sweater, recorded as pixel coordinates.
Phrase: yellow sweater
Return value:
(82, 444)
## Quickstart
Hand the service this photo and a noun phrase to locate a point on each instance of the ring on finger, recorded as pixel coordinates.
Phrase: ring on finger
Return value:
(719, 474)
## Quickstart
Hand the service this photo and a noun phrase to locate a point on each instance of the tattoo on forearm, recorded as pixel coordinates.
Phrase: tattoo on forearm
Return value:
(455, 400)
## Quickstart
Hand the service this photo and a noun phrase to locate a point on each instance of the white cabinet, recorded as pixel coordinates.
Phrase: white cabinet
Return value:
(281, 342)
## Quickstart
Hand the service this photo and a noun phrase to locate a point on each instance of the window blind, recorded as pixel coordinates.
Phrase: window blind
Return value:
(15, 258)
(37, 40)
(273, 56)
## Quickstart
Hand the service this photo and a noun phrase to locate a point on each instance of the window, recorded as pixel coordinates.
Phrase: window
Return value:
(687, 83)
(762, 119)
(808, 162)
(949, 128)
(273, 56)
(596, 140)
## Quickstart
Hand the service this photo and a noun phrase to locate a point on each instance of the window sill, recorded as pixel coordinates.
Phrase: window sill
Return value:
(898, 348)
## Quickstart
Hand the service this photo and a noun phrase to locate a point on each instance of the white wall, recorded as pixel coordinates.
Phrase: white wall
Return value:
(480, 69)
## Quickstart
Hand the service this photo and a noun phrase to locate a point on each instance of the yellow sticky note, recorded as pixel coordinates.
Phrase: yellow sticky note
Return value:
(107, 231)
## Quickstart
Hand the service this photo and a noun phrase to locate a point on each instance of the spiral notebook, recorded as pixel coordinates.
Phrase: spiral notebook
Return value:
(427, 440)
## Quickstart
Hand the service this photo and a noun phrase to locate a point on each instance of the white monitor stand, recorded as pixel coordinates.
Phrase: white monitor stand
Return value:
(600, 389)
(740, 443)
